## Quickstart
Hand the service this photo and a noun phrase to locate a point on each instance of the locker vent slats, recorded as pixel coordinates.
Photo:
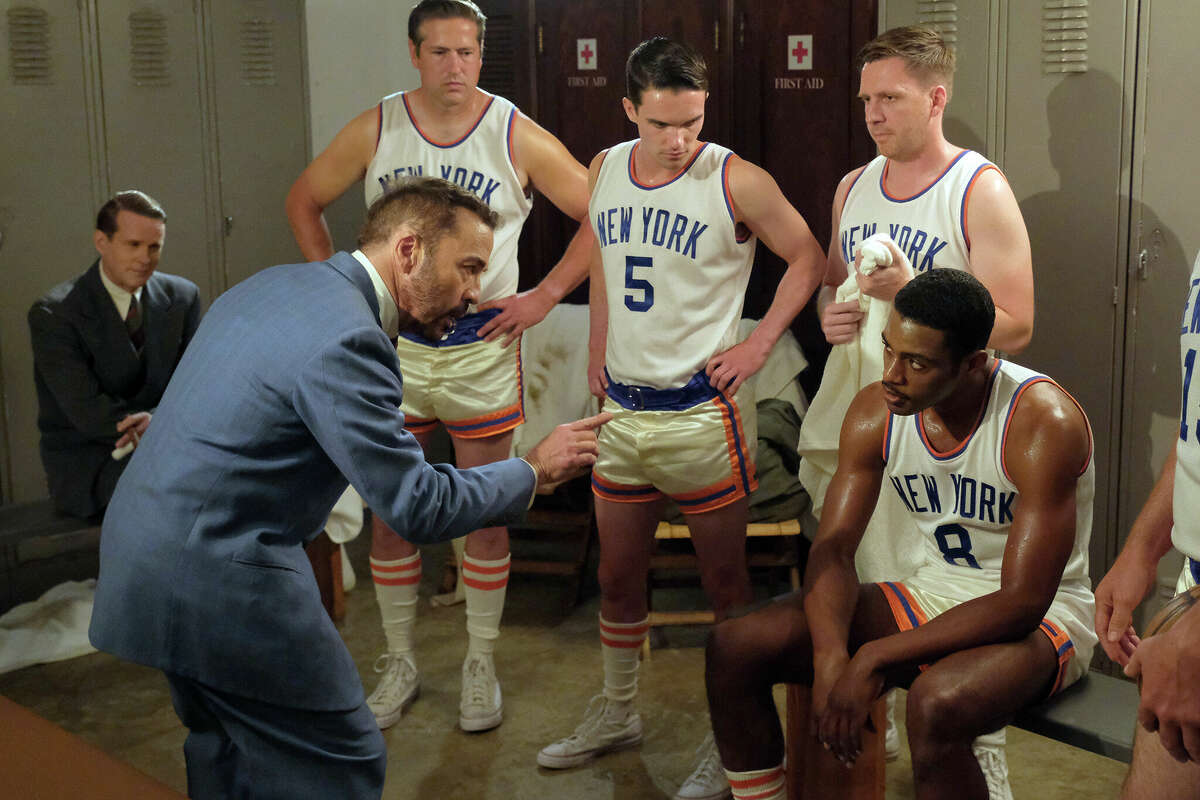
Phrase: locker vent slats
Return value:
(29, 45)
(258, 52)
(942, 16)
(1064, 36)
(498, 75)
(149, 48)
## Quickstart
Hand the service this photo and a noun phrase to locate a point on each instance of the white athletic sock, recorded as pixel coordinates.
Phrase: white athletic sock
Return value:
(757, 784)
(484, 583)
(396, 584)
(620, 643)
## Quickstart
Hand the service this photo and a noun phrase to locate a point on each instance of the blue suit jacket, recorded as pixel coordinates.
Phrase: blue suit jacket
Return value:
(289, 389)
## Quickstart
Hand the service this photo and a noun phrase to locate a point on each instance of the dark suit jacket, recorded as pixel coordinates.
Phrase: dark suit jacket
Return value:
(89, 377)
(289, 389)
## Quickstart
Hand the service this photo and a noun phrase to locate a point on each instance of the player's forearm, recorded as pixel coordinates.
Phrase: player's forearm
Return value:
(792, 294)
(1150, 536)
(1002, 616)
(1010, 333)
(572, 268)
(597, 316)
(830, 598)
(309, 228)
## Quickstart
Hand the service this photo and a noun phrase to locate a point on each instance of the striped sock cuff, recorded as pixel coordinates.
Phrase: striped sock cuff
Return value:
(485, 575)
(758, 784)
(623, 634)
(401, 572)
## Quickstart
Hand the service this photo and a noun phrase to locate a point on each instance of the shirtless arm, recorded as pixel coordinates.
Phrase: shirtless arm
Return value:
(999, 257)
(839, 321)
(329, 175)
(760, 205)
(1047, 447)
(554, 172)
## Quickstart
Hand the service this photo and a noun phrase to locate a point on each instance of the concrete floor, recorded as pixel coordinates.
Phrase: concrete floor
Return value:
(549, 664)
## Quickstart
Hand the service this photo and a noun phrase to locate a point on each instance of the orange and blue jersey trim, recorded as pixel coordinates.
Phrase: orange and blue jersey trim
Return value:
(883, 180)
(850, 189)
(508, 138)
(633, 175)
(1012, 407)
(623, 492)
(888, 427)
(962, 213)
(1063, 647)
(735, 437)
(445, 145)
(962, 446)
(737, 235)
(493, 424)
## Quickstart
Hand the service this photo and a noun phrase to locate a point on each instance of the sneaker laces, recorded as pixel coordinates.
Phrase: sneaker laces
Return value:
(709, 771)
(398, 670)
(593, 717)
(478, 684)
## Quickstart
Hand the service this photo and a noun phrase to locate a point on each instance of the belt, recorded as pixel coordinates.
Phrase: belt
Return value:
(647, 398)
(465, 330)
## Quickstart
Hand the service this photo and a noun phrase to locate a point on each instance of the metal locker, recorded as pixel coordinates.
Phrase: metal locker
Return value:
(49, 192)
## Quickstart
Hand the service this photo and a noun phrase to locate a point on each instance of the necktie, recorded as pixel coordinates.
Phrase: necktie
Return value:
(133, 324)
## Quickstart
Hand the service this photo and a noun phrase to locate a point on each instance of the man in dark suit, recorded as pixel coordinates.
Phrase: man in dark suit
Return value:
(104, 346)
(290, 389)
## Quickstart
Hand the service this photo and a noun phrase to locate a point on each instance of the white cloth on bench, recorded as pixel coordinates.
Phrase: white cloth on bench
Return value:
(52, 628)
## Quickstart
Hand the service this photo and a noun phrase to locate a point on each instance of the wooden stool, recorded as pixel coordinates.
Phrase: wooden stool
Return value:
(813, 772)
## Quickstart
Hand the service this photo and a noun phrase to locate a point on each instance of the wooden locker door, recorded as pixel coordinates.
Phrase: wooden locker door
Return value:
(795, 114)
(154, 126)
(261, 121)
(49, 193)
(581, 52)
(702, 25)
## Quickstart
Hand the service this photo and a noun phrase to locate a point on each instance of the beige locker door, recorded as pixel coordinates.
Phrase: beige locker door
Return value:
(48, 199)
(972, 26)
(262, 127)
(153, 122)
(1164, 238)
(1066, 143)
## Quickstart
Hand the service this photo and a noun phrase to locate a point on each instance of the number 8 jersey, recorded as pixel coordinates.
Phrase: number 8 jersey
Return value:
(963, 501)
(675, 266)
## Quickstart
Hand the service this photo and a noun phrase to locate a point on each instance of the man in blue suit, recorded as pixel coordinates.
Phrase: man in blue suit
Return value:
(290, 389)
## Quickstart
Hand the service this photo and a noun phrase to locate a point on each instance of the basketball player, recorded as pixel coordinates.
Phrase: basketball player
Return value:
(1166, 766)
(676, 220)
(469, 380)
(993, 463)
(944, 207)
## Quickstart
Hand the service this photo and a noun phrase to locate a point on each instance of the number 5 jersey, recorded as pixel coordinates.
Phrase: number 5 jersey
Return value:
(675, 266)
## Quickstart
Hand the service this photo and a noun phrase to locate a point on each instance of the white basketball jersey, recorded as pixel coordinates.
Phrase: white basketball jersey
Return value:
(675, 268)
(481, 162)
(930, 226)
(1186, 535)
(963, 501)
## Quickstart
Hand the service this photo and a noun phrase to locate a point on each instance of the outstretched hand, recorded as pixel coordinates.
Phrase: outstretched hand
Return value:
(568, 452)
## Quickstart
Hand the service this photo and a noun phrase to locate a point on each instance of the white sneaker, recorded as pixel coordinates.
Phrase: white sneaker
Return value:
(707, 781)
(481, 708)
(995, 769)
(604, 729)
(396, 690)
(891, 738)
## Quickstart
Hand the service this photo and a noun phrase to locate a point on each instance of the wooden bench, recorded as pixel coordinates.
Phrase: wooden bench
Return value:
(23, 522)
(38, 759)
(1097, 713)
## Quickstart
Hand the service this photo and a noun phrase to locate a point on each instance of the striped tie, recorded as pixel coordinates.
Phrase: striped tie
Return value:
(133, 324)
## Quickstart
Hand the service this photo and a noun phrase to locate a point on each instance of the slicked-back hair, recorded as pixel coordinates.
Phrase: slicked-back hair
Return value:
(131, 200)
(951, 301)
(662, 63)
(444, 9)
(921, 48)
(427, 205)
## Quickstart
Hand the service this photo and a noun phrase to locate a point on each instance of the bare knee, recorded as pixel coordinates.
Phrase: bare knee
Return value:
(933, 712)
(619, 585)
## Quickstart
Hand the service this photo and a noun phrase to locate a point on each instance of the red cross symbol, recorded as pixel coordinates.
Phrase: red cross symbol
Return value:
(800, 52)
(587, 53)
